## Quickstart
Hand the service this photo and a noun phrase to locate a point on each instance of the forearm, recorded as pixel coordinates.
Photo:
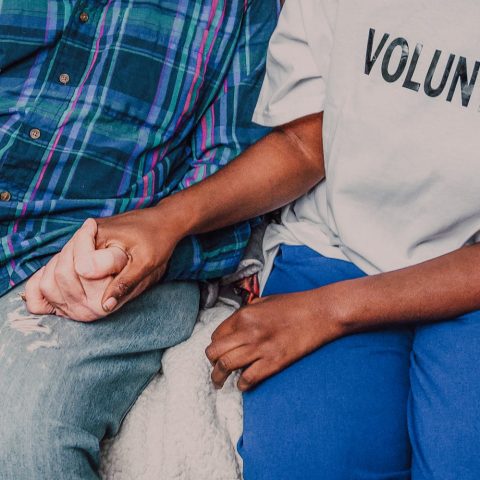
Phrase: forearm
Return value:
(278, 169)
(439, 289)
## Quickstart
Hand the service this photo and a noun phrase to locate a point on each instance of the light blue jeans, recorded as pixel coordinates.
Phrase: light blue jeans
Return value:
(64, 385)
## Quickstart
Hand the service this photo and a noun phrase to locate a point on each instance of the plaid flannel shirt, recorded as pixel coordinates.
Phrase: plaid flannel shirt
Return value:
(110, 105)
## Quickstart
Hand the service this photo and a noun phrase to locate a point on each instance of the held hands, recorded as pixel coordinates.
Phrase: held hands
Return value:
(61, 287)
(265, 337)
(107, 263)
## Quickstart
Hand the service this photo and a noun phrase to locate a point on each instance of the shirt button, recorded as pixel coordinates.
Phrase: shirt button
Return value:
(84, 17)
(64, 78)
(5, 196)
(35, 133)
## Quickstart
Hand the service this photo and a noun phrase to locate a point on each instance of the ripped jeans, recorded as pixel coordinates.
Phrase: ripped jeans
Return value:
(64, 386)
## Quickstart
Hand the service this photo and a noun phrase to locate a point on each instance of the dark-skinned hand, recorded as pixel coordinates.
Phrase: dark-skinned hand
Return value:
(271, 333)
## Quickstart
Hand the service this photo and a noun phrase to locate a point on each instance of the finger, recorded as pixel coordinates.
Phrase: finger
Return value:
(102, 263)
(48, 284)
(256, 373)
(227, 327)
(124, 286)
(67, 278)
(137, 290)
(34, 299)
(224, 344)
(231, 361)
(84, 244)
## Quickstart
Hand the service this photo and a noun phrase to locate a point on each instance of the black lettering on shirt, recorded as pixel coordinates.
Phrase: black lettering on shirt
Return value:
(369, 60)
(392, 71)
(393, 77)
(466, 85)
(409, 82)
(429, 90)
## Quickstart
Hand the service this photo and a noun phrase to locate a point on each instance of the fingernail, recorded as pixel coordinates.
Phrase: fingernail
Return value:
(242, 386)
(110, 304)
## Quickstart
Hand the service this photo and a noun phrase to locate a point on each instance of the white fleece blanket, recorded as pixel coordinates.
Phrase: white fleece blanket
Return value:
(181, 428)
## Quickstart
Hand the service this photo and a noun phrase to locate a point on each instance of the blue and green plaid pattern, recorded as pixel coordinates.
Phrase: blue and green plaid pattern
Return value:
(110, 105)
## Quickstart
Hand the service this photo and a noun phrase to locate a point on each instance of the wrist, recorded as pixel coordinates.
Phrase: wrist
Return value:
(342, 309)
(176, 217)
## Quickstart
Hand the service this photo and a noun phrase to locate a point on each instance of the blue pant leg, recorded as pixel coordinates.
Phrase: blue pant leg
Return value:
(340, 412)
(66, 385)
(444, 408)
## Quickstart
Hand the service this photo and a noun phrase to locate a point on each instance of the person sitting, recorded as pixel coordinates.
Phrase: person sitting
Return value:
(107, 107)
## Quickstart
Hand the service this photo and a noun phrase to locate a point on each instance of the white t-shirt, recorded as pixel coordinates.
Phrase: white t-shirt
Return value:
(397, 82)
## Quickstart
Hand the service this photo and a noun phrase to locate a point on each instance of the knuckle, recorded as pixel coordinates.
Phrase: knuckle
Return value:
(45, 288)
(211, 352)
(243, 315)
(275, 352)
(239, 323)
(246, 318)
(149, 263)
(255, 331)
(124, 288)
(224, 364)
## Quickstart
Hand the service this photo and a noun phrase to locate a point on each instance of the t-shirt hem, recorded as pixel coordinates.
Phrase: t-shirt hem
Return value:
(260, 117)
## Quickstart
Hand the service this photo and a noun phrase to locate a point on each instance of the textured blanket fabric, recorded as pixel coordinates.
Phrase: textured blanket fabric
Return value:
(181, 428)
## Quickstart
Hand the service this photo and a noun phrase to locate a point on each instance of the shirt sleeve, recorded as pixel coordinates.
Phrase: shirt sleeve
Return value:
(224, 131)
(297, 63)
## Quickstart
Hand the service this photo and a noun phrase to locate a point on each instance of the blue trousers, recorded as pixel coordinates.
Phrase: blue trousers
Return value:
(65, 385)
(386, 405)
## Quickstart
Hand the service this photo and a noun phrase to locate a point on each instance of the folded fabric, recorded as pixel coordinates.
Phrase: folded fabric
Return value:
(230, 289)
(181, 428)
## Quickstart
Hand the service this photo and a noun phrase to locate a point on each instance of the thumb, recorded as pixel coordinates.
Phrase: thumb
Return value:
(122, 286)
(102, 263)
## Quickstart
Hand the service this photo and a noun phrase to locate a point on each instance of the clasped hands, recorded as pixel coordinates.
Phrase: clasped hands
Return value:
(107, 263)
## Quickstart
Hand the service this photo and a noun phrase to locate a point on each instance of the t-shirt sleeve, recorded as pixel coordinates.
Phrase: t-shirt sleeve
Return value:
(297, 63)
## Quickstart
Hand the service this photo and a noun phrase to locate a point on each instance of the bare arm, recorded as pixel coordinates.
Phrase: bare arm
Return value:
(267, 336)
(277, 170)
(442, 288)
